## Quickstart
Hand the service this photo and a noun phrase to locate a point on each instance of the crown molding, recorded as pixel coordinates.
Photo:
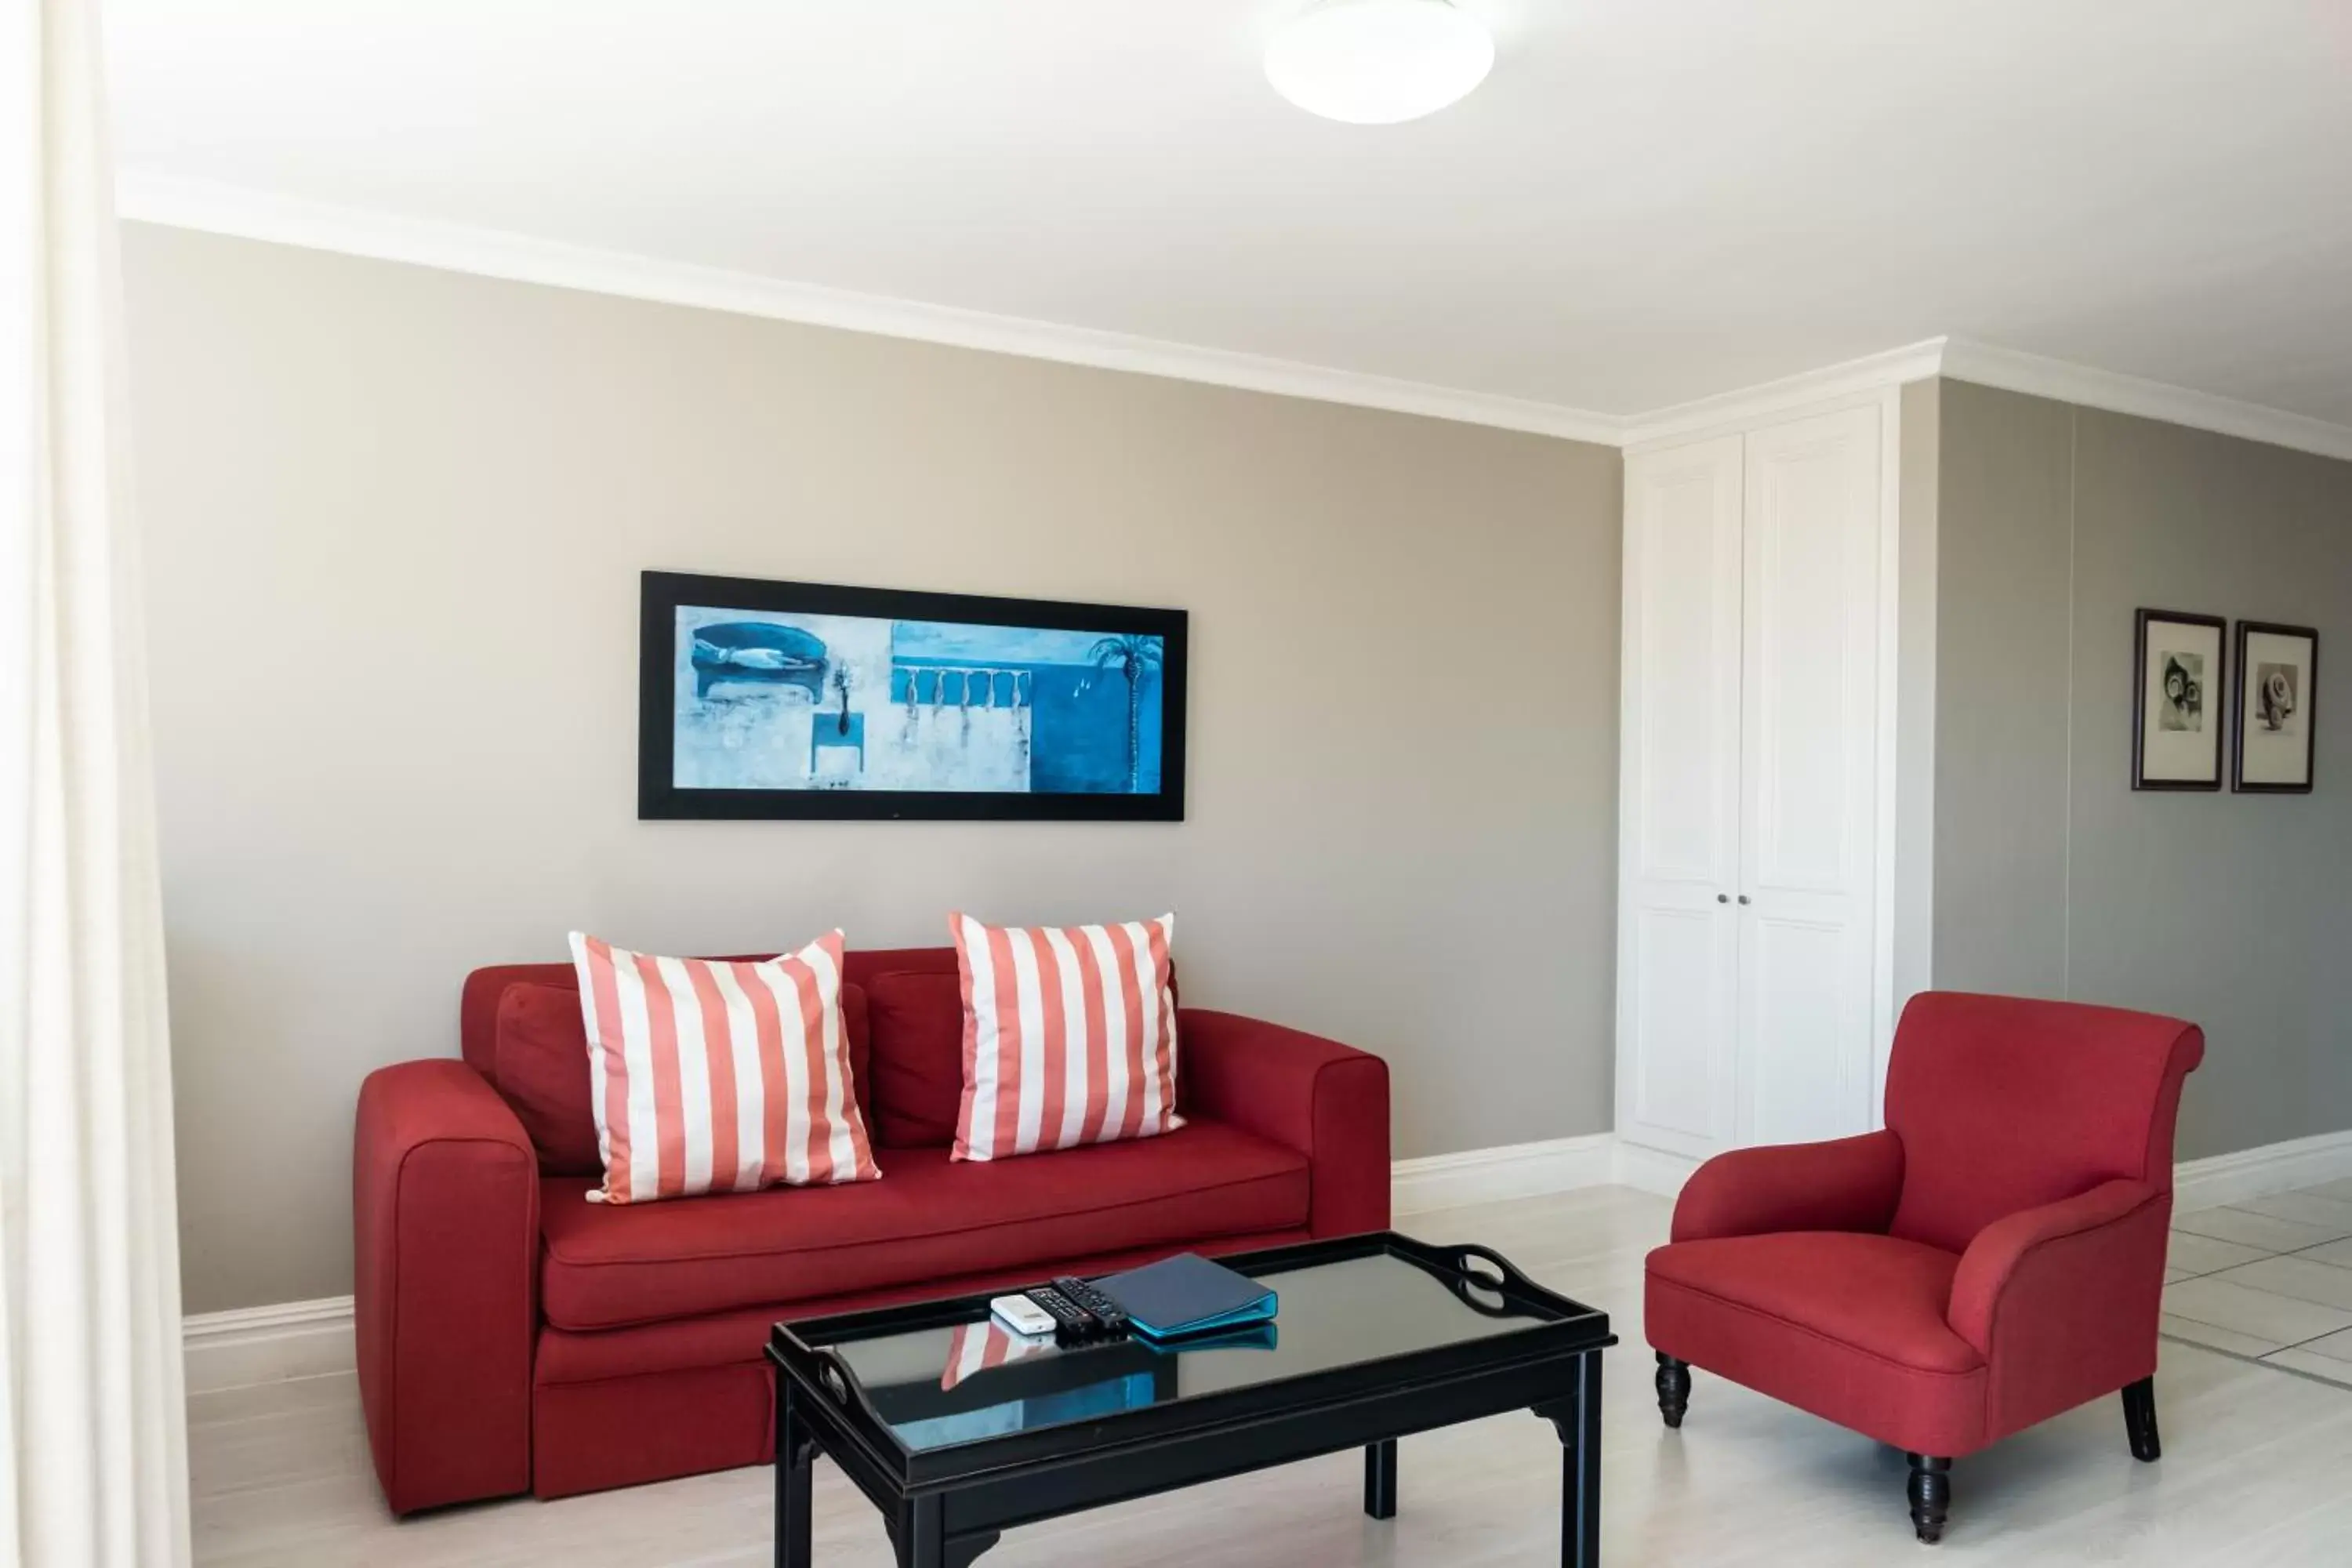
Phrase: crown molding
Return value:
(1964, 360)
(1739, 409)
(493, 253)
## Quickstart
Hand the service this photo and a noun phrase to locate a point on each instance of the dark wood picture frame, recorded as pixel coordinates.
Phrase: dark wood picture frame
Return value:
(2240, 717)
(661, 798)
(2217, 682)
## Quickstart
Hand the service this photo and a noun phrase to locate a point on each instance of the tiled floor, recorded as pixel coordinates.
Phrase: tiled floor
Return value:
(2269, 1278)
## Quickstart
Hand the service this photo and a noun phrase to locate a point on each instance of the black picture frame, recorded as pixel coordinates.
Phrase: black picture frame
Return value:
(2218, 683)
(2243, 715)
(660, 798)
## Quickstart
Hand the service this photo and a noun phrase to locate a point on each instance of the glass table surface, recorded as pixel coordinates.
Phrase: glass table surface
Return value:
(942, 1385)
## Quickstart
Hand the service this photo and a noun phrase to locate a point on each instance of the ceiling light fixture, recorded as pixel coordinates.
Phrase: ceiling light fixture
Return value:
(1377, 62)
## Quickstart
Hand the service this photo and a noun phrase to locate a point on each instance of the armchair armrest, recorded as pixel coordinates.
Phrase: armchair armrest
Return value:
(1327, 1101)
(1847, 1184)
(445, 1231)
(2063, 1300)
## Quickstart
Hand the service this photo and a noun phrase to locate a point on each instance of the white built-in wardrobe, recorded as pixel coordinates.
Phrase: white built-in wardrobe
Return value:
(1754, 973)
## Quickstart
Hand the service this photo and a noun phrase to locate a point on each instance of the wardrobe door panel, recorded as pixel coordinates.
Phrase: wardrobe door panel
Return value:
(1679, 838)
(1808, 776)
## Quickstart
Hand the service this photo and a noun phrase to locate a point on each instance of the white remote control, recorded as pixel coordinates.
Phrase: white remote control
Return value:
(1023, 1316)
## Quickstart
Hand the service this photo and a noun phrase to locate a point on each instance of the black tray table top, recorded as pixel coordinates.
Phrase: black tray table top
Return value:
(957, 1430)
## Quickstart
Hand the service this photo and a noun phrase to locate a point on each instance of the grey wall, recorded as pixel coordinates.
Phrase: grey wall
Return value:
(2052, 877)
(394, 519)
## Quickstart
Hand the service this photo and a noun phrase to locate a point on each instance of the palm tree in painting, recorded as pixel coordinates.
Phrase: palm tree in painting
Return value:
(1131, 656)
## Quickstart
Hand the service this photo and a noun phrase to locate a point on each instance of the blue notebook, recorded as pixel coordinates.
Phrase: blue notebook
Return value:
(1186, 1295)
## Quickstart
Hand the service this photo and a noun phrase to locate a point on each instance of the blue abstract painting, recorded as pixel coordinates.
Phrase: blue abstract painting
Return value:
(769, 694)
(761, 699)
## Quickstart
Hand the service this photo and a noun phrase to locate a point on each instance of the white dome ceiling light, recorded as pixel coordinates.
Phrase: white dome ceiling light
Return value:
(1377, 62)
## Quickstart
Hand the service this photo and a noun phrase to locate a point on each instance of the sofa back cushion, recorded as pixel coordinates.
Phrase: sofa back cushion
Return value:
(541, 1060)
(917, 1081)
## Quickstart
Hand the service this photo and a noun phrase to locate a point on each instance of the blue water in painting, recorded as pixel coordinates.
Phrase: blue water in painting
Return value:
(769, 700)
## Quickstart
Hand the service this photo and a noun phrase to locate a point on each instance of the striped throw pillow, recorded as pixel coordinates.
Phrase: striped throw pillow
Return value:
(713, 1076)
(1069, 1035)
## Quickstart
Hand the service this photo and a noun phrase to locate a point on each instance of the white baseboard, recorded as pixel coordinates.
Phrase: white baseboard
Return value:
(1496, 1175)
(1652, 1169)
(2260, 1173)
(312, 1339)
(267, 1344)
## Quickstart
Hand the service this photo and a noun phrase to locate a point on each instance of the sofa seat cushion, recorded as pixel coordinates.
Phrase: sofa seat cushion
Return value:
(1881, 1295)
(608, 1267)
(739, 1334)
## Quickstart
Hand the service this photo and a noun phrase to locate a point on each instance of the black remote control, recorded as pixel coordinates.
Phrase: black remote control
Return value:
(1071, 1323)
(1091, 1299)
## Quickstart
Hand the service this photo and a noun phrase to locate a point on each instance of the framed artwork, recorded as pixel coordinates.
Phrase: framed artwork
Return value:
(2177, 700)
(2278, 686)
(799, 700)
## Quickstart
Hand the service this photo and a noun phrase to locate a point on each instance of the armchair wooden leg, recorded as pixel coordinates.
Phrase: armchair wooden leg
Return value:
(1674, 1388)
(1931, 1495)
(2140, 1421)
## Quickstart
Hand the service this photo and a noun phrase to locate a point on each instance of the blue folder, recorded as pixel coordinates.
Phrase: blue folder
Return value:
(1186, 1295)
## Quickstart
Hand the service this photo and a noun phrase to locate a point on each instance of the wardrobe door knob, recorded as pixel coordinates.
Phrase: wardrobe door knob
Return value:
(1723, 898)
(1743, 898)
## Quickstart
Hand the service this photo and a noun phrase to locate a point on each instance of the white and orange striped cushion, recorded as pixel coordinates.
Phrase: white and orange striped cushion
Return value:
(1069, 1035)
(714, 1076)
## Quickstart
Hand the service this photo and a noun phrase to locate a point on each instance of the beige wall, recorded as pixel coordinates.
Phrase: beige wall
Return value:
(2052, 877)
(395, 521)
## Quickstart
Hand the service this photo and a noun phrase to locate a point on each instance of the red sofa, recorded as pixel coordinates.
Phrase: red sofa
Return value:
(514, 1337)
(1993, 1256)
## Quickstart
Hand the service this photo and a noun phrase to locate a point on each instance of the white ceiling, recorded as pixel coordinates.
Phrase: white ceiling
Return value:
(1649, 201)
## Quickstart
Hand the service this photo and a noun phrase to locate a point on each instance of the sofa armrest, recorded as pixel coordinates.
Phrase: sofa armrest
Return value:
(1327, 1100)
(444, 1219)
(1847, 1184)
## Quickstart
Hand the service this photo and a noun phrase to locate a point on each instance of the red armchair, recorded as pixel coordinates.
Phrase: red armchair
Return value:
(1992, 1257)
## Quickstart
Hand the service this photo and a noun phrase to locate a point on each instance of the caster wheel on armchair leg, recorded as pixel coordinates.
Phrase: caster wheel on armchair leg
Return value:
(1674, 1388)
(1931, 1495)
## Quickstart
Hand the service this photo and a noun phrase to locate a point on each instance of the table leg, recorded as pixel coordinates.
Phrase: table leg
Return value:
(796, 1456)
(923, 1538)
(1381, 1479)
(1579, 1545)
(1578, 1421)
(922, 1533)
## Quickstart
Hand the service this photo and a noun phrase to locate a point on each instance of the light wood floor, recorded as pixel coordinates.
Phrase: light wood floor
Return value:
(2254, 1474)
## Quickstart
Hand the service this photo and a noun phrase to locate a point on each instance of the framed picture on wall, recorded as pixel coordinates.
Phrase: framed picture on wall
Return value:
(2177, 700)
(803, 699)
(2278, 680)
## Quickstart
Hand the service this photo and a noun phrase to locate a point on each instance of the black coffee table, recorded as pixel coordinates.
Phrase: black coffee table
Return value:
(958, 1431)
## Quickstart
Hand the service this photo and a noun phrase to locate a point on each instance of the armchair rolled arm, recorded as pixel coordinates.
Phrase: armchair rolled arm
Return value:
(445, 1214)
(1847, 1184)
(2094, 1249)
(1327, 1101)
(2063, 1300)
